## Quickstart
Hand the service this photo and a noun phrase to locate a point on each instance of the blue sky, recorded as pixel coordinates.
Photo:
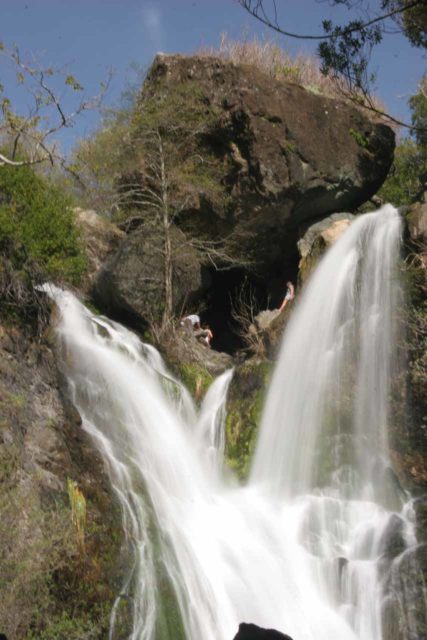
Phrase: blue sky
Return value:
(90, 36)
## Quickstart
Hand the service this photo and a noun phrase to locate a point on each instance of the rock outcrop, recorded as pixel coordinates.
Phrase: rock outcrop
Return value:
(253, 632)
(287, 154)
(131, 283)
(100, 238)
(317, 239)
(258, 158)
(409, 427)
(53, 583)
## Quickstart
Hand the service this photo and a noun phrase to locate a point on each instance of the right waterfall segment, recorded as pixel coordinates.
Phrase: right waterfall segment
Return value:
(323, 437)
(325, 420)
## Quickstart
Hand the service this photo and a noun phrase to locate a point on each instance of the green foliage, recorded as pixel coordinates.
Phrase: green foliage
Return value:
(79, 627)
(78, 510)
(414, 23)
(245, 403)
(38, 217)
(100, 160)
(196, 378)
(418, 104)
(360, 139)
(403, 183)
(407, 176)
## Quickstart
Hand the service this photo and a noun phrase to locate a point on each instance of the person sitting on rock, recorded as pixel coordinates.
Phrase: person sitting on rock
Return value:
(290, 295)
(192, 320)
(209, 335)
(204, 335)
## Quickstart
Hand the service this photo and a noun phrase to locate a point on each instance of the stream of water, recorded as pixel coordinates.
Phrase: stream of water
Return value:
(302, 547)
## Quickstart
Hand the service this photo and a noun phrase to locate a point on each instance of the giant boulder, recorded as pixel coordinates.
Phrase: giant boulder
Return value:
(283, 154)
(271, 156)
(131, 284)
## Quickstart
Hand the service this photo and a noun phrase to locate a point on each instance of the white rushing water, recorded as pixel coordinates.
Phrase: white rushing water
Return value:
(299, 548)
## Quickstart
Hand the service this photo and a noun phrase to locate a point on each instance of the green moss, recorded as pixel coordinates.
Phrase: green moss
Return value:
(408, 432)
(195, 377)
(74, 627)
(245, 404)
(169, 625)
(360, 139)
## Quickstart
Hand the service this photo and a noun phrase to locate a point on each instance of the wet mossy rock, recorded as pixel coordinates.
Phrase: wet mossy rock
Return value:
(244, 408)
(51, 584)
(195, 364)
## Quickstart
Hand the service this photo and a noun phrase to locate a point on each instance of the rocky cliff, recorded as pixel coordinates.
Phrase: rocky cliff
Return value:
(257, 159)
(57, 580)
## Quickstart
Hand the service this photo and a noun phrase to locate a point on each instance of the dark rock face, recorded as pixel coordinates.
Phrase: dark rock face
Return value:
(278, 155)
(252, 632)
(131, 283)
(295, 154)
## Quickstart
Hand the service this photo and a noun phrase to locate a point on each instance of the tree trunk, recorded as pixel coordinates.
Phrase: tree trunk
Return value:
(167, 313)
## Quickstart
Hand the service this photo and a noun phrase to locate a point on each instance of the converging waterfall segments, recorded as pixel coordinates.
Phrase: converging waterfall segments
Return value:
(299, 548)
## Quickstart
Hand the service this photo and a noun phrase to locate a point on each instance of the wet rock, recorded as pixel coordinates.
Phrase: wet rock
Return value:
(194, 362)
(392, 541)
(244, 407)
(409, 396)
(420, 508)
(406, 584)
(253, 632)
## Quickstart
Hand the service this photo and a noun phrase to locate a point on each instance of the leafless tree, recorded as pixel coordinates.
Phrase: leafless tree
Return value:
(244, 309)
(27, 137)
(160, 195)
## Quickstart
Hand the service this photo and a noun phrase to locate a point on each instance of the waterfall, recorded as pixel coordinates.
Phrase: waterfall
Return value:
(299, 547)
(333, 374)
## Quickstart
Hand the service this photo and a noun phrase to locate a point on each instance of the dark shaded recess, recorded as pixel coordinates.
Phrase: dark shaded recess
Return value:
(253, 632)
(218, 308)
(268, 292)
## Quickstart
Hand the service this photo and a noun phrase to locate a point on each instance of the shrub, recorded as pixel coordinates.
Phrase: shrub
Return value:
(37, 218)
(404, 182)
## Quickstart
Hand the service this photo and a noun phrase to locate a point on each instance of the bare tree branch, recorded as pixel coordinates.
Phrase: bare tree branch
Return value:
(257, 10)
(32, 132)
